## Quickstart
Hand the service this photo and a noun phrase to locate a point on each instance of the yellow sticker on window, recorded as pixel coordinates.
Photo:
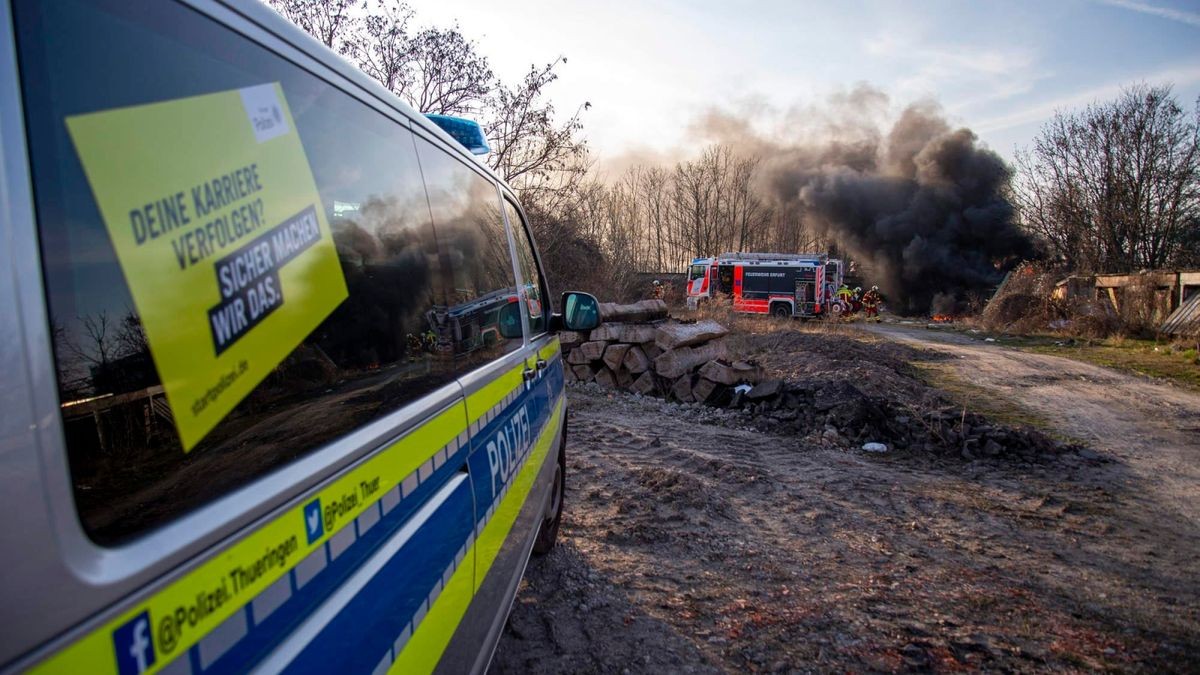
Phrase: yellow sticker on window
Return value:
(215, 217)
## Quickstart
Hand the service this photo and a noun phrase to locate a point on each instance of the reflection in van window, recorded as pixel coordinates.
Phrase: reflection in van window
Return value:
(381, 348)
(482, 287)
(535, 297)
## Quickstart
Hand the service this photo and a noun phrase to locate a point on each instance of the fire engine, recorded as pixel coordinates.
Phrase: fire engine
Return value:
(780, 284)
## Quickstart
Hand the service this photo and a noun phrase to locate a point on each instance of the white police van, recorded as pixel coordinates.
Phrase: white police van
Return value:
(279, 380)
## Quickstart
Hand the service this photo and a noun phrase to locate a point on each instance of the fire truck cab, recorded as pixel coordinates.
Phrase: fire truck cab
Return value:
(780, 284)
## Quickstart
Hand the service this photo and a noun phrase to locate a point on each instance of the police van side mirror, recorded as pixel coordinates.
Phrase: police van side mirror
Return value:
(581, 311)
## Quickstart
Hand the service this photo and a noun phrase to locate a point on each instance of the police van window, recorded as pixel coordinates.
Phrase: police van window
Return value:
(475, 254)
(535, 297)
(381, 342)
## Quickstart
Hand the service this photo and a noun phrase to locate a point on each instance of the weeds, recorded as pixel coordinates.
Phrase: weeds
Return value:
(1144, 357)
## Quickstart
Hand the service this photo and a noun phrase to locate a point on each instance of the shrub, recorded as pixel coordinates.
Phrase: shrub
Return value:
(1028, 304)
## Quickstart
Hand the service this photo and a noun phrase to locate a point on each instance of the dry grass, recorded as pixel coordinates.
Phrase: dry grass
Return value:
(720, 309)
(744, 327)
(971, 397)
(1177, 362)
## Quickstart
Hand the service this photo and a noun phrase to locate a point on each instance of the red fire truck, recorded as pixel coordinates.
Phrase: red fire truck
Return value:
(780, 284)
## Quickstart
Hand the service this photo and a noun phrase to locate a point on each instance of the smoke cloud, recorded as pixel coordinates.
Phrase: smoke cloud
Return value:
(920, 203)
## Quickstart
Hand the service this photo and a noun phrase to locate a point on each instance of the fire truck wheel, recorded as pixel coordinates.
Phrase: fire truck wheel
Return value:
(837, 309)
(781, 311)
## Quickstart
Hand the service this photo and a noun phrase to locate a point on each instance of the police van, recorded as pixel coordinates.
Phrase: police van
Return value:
(280, 384)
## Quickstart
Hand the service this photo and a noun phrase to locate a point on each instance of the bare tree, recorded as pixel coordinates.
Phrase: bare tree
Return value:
(91, 353)
(528, 145)
(437, 70)
(440, 71)
(691, 197)
(445, 74)
(566, 225)
(326, 20)
(380, 43)
(621, 225)
(747, 208)
(97, 344)
(652, 191)
(131, 335)
(1116, 187)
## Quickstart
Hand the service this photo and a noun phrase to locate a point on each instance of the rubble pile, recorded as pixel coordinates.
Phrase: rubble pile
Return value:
(839, 392)
(840, 413)
(640, 349)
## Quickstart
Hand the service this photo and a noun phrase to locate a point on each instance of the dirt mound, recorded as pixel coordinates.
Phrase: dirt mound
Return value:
(677, 489)
(839, 388)
(877, 367)
(839, 413)
(659, 498)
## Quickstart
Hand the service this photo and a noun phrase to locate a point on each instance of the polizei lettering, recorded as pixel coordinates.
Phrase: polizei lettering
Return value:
(505, 451)
(242, 576)
(248, 278)
(189, 616)
(207, 602)
(338, 508)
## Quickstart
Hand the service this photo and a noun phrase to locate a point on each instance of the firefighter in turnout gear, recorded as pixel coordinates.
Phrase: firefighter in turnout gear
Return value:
(659, 290)
(414, 346)
(843, 301)
(871, 301)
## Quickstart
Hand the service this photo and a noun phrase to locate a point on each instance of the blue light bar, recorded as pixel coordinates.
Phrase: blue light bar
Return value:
(466, 132)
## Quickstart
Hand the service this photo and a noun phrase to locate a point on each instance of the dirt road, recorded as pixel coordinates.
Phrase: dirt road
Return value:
(692, 544)
(1151, 428)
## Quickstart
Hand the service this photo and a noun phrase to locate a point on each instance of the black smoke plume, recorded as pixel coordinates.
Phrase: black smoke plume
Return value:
(922, 204)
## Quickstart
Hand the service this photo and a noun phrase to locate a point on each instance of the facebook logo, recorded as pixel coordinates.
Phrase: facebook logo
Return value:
(135, 649)
(313, 524)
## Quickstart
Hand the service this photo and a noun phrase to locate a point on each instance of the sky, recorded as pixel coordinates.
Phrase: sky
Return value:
(651, 68)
